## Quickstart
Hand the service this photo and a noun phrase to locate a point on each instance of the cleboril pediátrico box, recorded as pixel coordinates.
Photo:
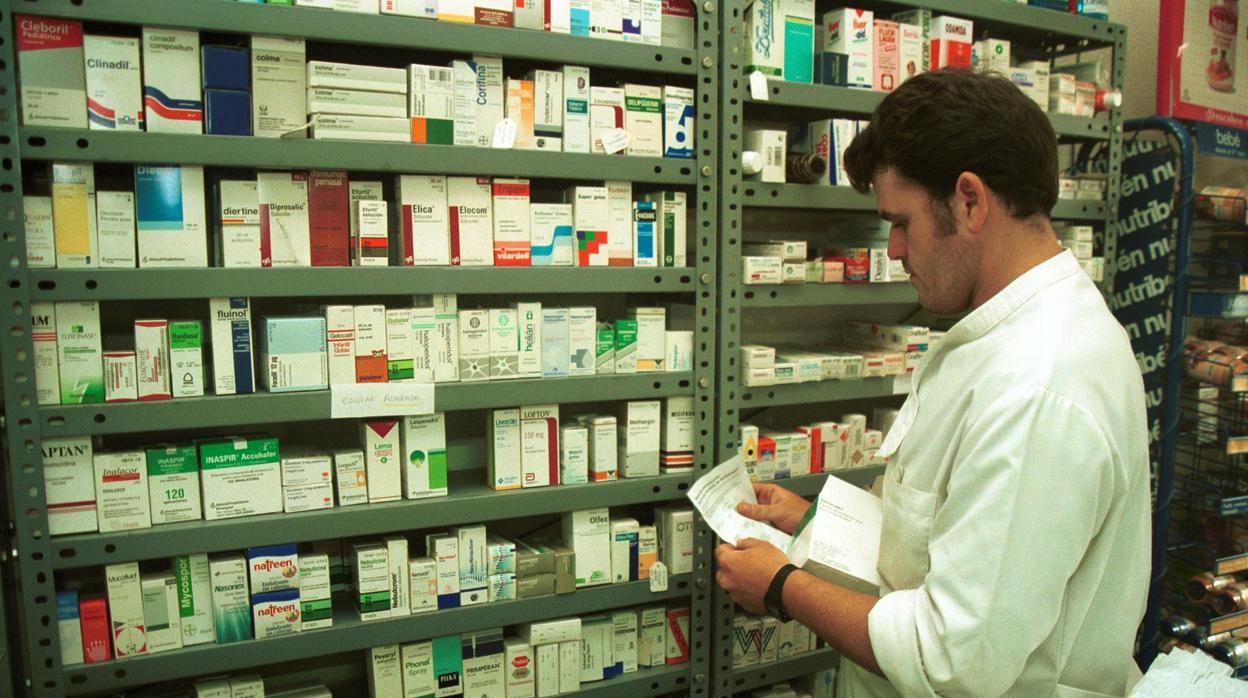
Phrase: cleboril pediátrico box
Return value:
(186, 358)
(424, 470)
(240, 477)
(73, 215)
(172, 95)
(173, 484)
(114, 85)
(471, 219)
(238, 223)
(169, 210)
(424, 227)
(512, 243)
(230, 329)
(50, 62)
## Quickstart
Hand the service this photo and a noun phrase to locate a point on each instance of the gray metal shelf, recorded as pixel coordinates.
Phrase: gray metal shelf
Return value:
(811, 196)
(644, 682)
(828, 294)
(375, 30)
(1075, 210)
(303, 153)
(267, 408)
(810, 393)
(750, 678)
(810, 485)
(144, 284)
(469, 501)
(349, 633)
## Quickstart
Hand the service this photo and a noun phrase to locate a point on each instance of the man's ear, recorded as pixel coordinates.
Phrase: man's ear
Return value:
(971, 201)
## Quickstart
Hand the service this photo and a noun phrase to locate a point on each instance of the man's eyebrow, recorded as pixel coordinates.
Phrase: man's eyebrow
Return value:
(890, 216)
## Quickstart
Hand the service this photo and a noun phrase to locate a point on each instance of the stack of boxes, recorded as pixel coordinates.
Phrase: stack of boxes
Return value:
(1079, 240)
(360, 102)
(821, 446)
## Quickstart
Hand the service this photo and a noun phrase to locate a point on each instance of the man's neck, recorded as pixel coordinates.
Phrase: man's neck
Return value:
(1018, 247)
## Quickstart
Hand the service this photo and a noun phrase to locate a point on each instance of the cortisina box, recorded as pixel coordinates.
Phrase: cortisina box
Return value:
(240, 477)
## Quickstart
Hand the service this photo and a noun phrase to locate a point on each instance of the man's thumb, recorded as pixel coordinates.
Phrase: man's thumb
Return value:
(758, 512)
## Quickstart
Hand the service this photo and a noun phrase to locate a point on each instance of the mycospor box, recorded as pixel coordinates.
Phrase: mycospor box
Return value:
(576, 95)
(512, 222)
(151, 346)
(171, 81)
(123, 502)
(238, 222)
(370, 344)
(400, 345)
(240, 477)
(231, 599)
(279, 87)
(431, 104)
(424, 467)
(69, 485)
(76, 240)
(551, 235)
(423, 230)
(329, 211)
(114, 84)
(194, 581)
(285, 233)
(50, 63)
(230, 330)
(160, 612)
(539, 445)
(381, 441)
(474, 345)
(173, 484)
(169, 213)
(125, 609)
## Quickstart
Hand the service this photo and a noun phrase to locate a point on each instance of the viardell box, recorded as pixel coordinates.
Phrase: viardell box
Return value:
(431, 104)
(678, 122)
(423, 230)
(623, 550)
(78, 352)
(444, 549)
(240, 477)
(551, 235)
(504, 450)
(114, 86)
(504, 343)
(471, 221)
(194, 598)
(160, 612)
(307, 482)
(675, 529)
(555, 354)
(473, 565)
(588, 533)
(292, 354)
(69, 628)
(400, 345)
(350, 477)
(422, 580)
(285, 234)
(231, 599)
(373, 237)
(619, 223)
(239, 223)
(474, 345)
(40, 234)
(576, 131)
(329, 211)
(582, 340)
(371, 580)
(370, 344)
(643, 119)
(125, 608)
(173, 484)
(606, 114)
(47, 374)
(539, 445)
(764, 38)
(424, 456)
(639, 438)
(381, 458)
(171, 81)
(50, 62)
(279, 87)
(69, 485)
(511, 222)
(651, 338)
(604, 349)
(603, 450)
(850, 32)
(186, 358)
(400, 581)
(519, 108)
(122, 499)
(574, 455)
(231, 346)
(73, 215)
(529, 329)
(169, 207)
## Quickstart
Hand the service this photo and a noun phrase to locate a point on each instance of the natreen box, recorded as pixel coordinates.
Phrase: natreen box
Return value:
(231, 598)
(69, 485)
(122, 498)
(50, 62)
(171, 81)
(293, 354)
(186, 358)
(639, 438)
(444, 549)
(381, 458)
(125, 608)
(170, 215)
(194, 581)
(371, 580)
(160, 612)
(276, 613)
(279, 87)
(173, 483)
(424, 466)
(240, 477)
(114, 85)
(230, 331)
(75, 242)
(588, 533)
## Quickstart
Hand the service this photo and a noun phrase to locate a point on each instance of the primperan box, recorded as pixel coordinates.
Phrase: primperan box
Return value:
(122, 498)
(51, 66)
(169, 210)
(240, 477)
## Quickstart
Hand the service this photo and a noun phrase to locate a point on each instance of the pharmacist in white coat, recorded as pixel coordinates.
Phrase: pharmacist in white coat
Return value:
(1015, 547)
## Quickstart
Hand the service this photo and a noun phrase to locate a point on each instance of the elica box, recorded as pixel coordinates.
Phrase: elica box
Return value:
(673, 221)
(643, 119)
(171, 81)
(652, 636)
(372, 234)
(770, 145)
(551, 235)
(764, 46)
(504, 470)
(573, 455)
(850, 32)
(647, 550)
(885, 61)
(186, 358)
(606, 114)
(547, 104)
(444, 549)
(645, 234)
(555, 355)
(329, 213)
(40, 235)
(385, 671)
(471, 221)
(231, 599)
(276, 613)
(96, 634)
(431, 104)
(446, 337)
(125, 609)
(371, 580)
(400, 345)
(529, 331)
(424, 456)
(422, 576)
(350, 477)
(619, 223)
(371, 364)
(114, 85)
(340, 343)
(604, 349)
(951, 40)
(576, 131)
(651, 338)
(424, 227)
(676, 442)
(588, 533)
(504, 342)
(74, 216)
(678, 122)
(474, 345)
(464, 74)
(582, 340)
(240, 477)
(239, 223)
(69, 485)
(230, 330)
(799, 39)
(327, 100)
(424, 327)
(285, 235)
(160, 612)
(151, 347)
(511, 222)
(307, 482)
(69, 627)
(279, 87)
(122, 499)
(675, 530)
(381, 458)
(50, 62)
(194, 582)
(473, 565)
(539, 445)
(400, 580)
(623, 537)
(173, 484)
(519, 108)
(603, 449)
(639, 438)
(293, 354)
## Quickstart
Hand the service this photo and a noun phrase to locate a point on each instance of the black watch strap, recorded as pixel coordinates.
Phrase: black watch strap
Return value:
(773, 601)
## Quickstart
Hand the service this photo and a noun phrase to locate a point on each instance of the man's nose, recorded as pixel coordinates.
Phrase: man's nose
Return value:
(896, 244)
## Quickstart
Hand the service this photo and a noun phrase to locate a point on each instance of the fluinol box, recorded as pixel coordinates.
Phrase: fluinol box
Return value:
(171, 81)
(114, 84)
(50, 63)
(230, 330)
(169, 208)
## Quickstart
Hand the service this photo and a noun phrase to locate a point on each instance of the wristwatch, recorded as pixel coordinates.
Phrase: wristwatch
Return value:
(773, 601)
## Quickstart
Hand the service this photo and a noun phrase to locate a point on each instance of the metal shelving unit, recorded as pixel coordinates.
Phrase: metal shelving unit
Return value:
(388, 40)
(1045, 31)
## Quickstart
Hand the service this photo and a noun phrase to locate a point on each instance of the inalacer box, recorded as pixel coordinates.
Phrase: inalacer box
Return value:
(444, 549)
(422, 576)
(371, 580)
(652, 636)
(186, 358)
(285, 235)
(171, 81)
(676, 442)
(169, 209)
(230, 330)
(307, 482)
(643, 119)
(69, 627)
(504, 343)
(424, 456)
(276, 613)
(371, 364)
(151, 346)
(73, 215)
(125, 609)
(431, 104)
(240, 477)
(293, 354)
(114, 87)
(576, 131)
(50, 61)
(582, 340)
(551, 235)
(539, 445)
(69, 485)
(231, 599)
(424, 232)
(588, 533)
(474, 345)
(122, 500)
(115, 229)
(675, 529)
(678, 122)
(511, 222)
(194, 598)
(350, 477)
(400, 580)
(639, 438)
(651, 338)
(381, 458)
(471, 221)
(173, 482)
(160, 612)
(473, 565)
(279, 87)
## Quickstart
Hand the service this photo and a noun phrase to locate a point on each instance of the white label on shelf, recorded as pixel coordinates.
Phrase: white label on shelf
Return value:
(352, 400)
(658, 577)
(615, 141)
(901, 384)
(505, 133)
(758, 86)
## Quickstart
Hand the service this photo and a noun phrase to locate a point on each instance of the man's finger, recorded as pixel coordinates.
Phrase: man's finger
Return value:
(748, 543)
(759, 512)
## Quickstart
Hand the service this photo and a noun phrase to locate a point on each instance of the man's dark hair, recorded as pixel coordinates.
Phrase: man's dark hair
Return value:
(937, 125)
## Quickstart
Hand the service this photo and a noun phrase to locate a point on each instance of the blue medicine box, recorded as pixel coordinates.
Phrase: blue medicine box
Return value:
(227, 113)
(225, 68)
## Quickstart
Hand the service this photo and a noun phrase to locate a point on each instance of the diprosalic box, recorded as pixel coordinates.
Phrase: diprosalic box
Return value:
(151, 346)
(50, 62)
(551, 235)
(371, 364)
(231, 600)
(400, 345)
(194, 598)
(125, 608)
(173, 484)
(424, 456)
(69, 485)
(504, 469)
(278, 87)
(73, 214)
(511, 222)
(678, 122)
(231, 346)
(78, 352)
(285, 235)
(160, 612)
(381, 458)
(240, 477)
(350, 477)
(576, 95)
(239, 223)
(186, 358)
(315, 603)
(504, 343)
(169, 207)
(471, 221)
(171, 81)
(582, 340)
(114, 87)
(539, 445)
(424, 228)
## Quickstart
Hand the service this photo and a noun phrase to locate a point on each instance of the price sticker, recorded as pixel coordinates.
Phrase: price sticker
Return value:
(658, 577)
(615, 141)
(758, 87)
(505, 133)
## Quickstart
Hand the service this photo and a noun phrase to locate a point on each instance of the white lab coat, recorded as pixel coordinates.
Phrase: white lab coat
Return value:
(1015, 548)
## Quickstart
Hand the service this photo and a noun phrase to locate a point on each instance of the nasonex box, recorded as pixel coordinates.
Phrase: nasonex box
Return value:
(50, 62)
(471, 221)
(194, 598)
(504, 450)
(240, 477)
(381, 458)
(582, 340)
(73, 215)
(504, 343)
(588, 533)
(186, 358)
(171, 81)
(511, 222)
(230, 330)
(231, 600)
(551, 235)
(78, 352)
(539, 445)
(278, 86)
(424, 227)
(293, 355)
(69, 485)
(576, 131)
(114, 86)
(285, 234)
(239, 223)
(424, 456)
(173, 484)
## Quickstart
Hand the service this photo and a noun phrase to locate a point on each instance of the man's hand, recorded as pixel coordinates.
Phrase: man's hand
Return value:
(745, 571)
(777, 506)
